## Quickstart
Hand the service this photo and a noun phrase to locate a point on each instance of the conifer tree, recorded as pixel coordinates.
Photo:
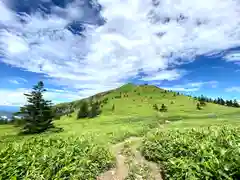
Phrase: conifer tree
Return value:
(37, 113)
(202, 102)
(163, 108)
(222, 102)
(235, 103)
(155, 107)
(95, 110)
(198, 106)
(83, 111)
(227, 103)
(113, 107)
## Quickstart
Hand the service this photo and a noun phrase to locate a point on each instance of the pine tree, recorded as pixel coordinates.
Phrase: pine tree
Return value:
(163, 108)
(228, 103)
(222, 102)
(202, 102)
(155, 107)
(215, 101)
(113, 107)
(83, 111)
(37, 113)
(235, 103)
(219, 101)
(95, 110)
(198, 106)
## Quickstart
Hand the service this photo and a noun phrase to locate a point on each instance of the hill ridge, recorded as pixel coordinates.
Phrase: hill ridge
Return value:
(136, 99)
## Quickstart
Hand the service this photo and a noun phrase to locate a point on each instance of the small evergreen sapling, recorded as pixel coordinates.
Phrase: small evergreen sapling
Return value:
(198, 106)
(155, 107)
(113, 107)
(163, 108)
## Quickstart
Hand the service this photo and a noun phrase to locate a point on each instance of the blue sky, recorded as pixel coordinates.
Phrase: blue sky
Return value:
(79, 48)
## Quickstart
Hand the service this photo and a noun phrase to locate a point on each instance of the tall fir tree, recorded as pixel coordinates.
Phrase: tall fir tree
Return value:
(37, 113)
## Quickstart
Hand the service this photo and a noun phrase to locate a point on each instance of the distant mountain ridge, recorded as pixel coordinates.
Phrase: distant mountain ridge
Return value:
(6, 113)
(8, 110)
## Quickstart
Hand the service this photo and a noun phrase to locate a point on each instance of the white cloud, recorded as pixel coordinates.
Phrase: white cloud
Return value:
(18, 80)
(14, 81)
(22, 80)
(15, 97)
(213, 84)
(12, 97)
(138, 39)
(182, 89)
(233, 57)
(233, 89)
(164, 75)
(193, 86)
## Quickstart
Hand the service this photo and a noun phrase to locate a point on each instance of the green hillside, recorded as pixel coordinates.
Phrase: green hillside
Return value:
(138, 101)
(86, 147)
(134, 114)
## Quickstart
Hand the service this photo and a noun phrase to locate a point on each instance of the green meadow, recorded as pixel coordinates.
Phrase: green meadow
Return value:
(83, 150)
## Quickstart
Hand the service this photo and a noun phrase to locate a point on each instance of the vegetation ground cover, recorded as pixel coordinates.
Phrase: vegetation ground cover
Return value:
(133, 115)
(54, 158)
(196, 153)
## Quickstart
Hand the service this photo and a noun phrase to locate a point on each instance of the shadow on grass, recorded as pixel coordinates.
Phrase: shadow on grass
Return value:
(122, 121)
(48, 131)
(152, 120)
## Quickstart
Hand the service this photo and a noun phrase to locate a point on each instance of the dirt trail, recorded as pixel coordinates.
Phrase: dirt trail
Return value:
(130, 164)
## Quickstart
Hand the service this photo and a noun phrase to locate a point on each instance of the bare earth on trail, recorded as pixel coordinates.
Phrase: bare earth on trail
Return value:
(130, 164)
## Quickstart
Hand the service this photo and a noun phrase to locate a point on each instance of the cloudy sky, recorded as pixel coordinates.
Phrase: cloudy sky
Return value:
(80, 47)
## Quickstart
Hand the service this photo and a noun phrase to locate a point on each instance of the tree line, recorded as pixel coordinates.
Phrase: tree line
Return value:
(230, 103)
(38, 114)
(89, 109)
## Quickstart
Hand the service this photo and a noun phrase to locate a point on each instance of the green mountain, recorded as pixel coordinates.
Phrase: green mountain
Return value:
(138, 101)
(87, 148)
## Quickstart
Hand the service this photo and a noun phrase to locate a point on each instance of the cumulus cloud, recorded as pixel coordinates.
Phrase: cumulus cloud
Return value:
(137, 36)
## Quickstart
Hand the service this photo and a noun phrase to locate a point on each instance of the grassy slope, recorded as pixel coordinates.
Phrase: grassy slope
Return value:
(134, 115)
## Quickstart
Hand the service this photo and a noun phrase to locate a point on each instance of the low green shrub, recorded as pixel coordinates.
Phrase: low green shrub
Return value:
(54, 158)
(204, 153)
